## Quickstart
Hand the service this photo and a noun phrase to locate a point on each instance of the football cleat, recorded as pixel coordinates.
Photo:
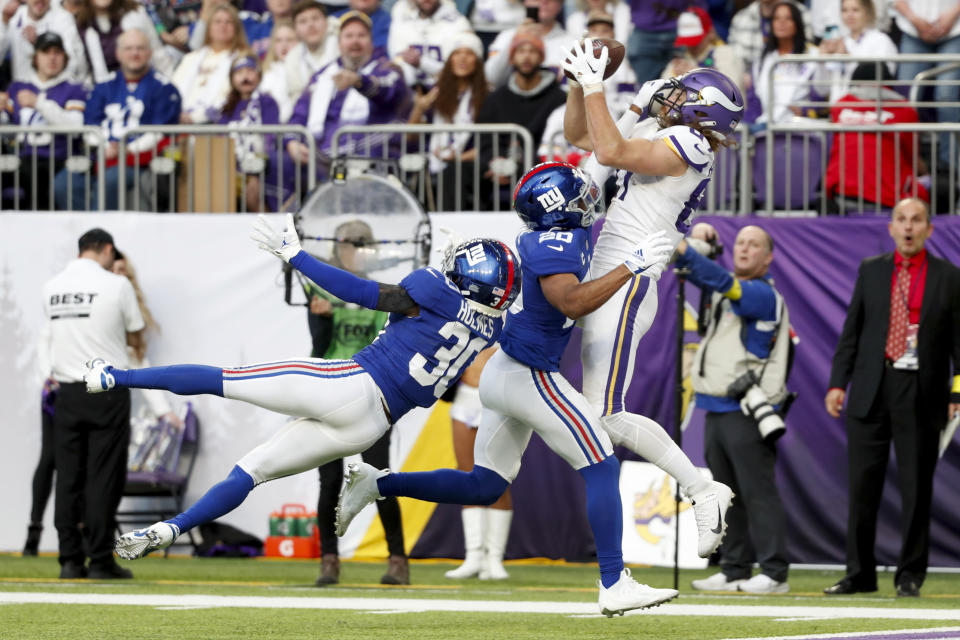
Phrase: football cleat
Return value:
(139, 543)
(97, 377)
(359, 490)
(628, 594)
(710, 511)
(762, 583)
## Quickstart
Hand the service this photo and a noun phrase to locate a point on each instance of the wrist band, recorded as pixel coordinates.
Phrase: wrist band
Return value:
(592, 88)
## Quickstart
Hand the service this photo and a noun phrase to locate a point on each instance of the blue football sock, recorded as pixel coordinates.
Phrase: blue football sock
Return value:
(220, 499)
(182, 379)
(605, 513)
(449, 486)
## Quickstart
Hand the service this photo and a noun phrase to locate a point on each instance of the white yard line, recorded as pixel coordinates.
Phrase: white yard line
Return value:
(402, 605)
(879, 635)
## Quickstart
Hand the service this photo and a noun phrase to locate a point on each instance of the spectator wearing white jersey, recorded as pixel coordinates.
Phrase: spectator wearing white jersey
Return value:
(20, 24)
(317, 46)
(491, 17)
(547, 27)
(751, 26)
(863, 39)
(791, 83)
(203, 76)
(283, 39)
(102, 21)
(826, 18)
(456, 98)
(420, 35)
(578, 21)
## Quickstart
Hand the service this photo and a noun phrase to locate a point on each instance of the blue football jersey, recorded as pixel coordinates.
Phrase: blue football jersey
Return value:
(536, 333)
(414, 360)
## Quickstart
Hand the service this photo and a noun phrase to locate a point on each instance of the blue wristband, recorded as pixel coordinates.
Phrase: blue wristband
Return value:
(343, 284)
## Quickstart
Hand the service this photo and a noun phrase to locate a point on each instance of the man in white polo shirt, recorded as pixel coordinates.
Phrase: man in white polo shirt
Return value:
(92, 312)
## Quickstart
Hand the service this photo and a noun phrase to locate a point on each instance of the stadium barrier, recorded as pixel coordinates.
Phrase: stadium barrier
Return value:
(24, 154)
(418, 155)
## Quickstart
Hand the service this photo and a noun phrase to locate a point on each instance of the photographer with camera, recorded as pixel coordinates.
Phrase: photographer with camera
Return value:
(739, 376)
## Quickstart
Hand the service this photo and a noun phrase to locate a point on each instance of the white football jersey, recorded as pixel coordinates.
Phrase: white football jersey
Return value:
(430, 36)
(645, 204)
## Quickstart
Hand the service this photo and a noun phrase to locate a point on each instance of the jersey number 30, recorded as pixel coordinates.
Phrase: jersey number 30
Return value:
(450, 360)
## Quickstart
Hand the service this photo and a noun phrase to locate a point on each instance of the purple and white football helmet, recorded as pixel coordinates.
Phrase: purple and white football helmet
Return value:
(710, 100)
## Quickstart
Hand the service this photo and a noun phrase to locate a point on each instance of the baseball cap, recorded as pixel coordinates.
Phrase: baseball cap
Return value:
(525, 37)
(95, 238)
(350, 16)
(248, 61)
(596, 16)
(46, 40)
(693, 26)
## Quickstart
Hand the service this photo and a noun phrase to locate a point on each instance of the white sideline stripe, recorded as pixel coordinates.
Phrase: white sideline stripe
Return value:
(481, 606)
(861, 634)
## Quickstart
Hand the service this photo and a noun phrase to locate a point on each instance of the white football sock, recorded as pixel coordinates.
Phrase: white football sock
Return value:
(646, 438)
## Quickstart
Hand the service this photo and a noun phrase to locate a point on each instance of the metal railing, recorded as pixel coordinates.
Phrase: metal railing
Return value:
(509, 141)
(185, 137)
(23, 144)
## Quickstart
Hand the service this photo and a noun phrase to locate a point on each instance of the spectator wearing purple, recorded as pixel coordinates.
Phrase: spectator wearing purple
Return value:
(650, 47)
(932, 26)
(135, 96)
(249, 108)
(102, 21)
(379, 20)
(357, 88)
(49, 97)
(752, 25)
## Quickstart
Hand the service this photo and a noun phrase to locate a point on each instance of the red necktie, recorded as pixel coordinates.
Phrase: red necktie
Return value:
(899, 314)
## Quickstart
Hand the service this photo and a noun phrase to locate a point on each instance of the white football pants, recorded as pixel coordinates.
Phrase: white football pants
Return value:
(338, 406)
(517, 401)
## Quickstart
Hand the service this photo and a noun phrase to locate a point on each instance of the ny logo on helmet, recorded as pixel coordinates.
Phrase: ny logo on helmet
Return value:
(551, 200)
(474, 254)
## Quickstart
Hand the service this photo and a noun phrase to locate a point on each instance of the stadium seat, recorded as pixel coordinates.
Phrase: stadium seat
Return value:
(159, 474)
(804, 156)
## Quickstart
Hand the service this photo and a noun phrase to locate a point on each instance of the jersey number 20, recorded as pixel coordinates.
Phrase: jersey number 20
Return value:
(450, 360)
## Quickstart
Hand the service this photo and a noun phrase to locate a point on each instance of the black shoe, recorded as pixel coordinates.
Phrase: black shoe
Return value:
(71, 570)
(32, 545)
(908, 589)
(111, 571)
(846, 587)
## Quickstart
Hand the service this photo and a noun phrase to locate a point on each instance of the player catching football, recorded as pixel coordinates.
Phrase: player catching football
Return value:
(522, 391)
(663, 151)
(438, 323)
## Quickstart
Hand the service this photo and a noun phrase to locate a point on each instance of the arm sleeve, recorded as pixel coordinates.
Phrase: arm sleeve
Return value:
(497, 65)
(55, 114)
(385, 86)
(757, 300)
(343, 284)
(846, 352)
(705, 273)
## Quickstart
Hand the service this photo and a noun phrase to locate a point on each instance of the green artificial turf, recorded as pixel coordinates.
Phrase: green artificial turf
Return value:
(177, 576)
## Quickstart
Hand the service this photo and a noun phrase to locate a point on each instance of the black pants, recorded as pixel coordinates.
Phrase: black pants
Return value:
(756, 526)
(43, 475)
(331, 479)
(91, 436)
(897, 416)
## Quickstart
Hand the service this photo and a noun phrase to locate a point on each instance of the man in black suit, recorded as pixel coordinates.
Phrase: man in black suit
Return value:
(901, 332)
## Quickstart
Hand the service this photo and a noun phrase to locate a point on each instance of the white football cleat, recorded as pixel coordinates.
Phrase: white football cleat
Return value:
(717, 582)
(710, 510)
(359, 490)
(139, 543)
(762, 583)
(97, 377)
(628, 594)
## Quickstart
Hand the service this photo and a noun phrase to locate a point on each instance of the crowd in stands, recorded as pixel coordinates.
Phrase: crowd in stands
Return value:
(119, 64)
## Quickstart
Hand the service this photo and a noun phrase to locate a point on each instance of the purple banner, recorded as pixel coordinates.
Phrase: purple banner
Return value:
(815, 266)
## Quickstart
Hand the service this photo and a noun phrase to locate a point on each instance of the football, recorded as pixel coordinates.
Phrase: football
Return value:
(615, 54)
